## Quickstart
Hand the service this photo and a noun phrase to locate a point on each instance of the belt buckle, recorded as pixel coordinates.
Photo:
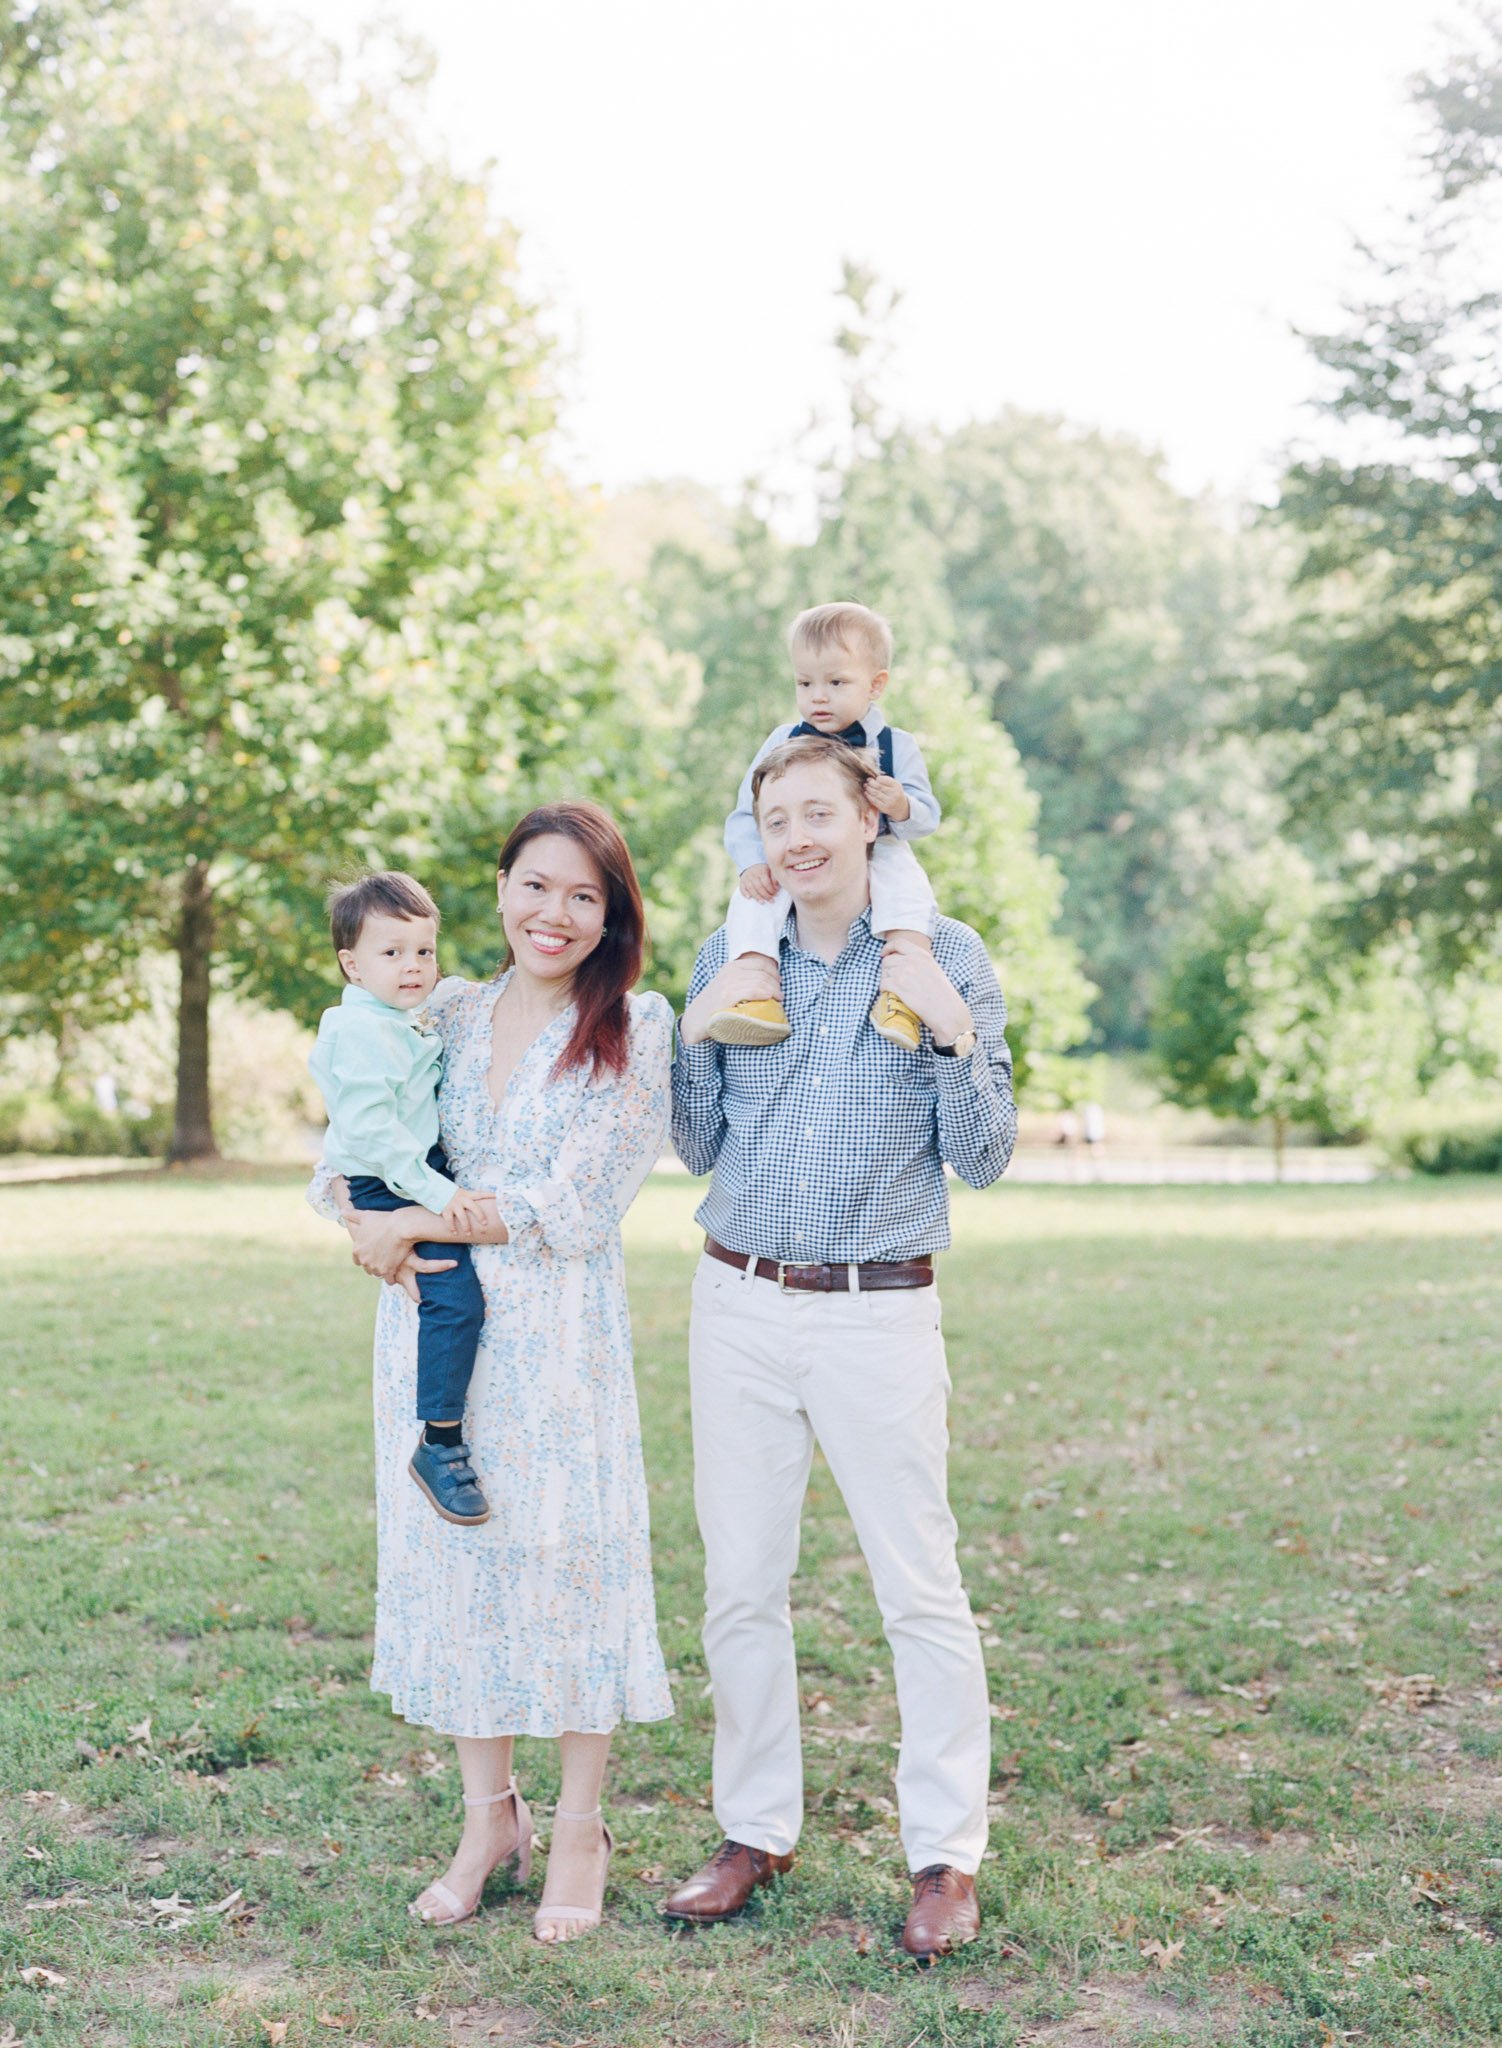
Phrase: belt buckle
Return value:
(786, 1266)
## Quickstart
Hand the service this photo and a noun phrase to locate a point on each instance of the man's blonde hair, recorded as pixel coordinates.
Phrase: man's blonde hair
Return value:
(815, 750)
(843, 624)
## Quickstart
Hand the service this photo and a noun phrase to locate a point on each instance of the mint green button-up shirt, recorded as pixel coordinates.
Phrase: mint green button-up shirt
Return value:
(378, 1074)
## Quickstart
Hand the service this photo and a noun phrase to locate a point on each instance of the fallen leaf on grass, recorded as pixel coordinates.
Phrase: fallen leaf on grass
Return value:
(342, 2020)
(10, 2038)
(37, 1974)
(275, 2031)
(35, 1855)
(653, 1874)
(1115, 1809)
(1413, 1690)
(57, 1905)
(1164, 1955)
(38, 1798)
(1435, 1886)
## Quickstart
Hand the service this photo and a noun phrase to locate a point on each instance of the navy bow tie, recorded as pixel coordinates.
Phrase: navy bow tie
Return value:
(853, 735)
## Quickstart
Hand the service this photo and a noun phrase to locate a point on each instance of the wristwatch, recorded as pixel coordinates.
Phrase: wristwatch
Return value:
(962, 1048)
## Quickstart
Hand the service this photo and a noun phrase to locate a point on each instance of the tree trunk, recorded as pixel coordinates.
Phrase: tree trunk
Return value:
(193, 1129)
(1280, 1145)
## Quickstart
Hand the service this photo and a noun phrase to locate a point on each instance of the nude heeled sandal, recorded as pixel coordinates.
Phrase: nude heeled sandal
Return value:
(586, 1916)
(520, 1855)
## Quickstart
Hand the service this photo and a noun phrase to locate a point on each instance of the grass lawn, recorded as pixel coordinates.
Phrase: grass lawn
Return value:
(1227, 1468)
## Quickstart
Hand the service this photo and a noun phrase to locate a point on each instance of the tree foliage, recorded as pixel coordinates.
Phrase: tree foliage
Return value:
(285, 581)
(1261, 1017)
(1103, 614)
(1396, 685)
(729, 602)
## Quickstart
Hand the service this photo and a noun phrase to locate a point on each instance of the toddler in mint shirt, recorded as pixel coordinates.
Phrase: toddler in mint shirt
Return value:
(377, 1068)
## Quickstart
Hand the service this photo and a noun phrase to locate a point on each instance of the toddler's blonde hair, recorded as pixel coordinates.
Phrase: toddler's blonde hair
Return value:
(843, 624)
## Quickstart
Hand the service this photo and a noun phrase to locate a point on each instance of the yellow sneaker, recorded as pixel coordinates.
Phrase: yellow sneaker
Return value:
(896, 1022)
(760, 1020)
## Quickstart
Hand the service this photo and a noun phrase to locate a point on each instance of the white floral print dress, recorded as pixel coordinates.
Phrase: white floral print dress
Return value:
(541, 1621)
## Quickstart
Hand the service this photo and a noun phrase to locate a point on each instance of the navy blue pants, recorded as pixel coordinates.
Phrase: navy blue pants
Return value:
(452, 1311)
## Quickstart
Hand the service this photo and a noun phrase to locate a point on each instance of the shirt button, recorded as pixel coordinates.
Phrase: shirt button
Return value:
(816, 1081)
(808, 1130)
(824, 1031)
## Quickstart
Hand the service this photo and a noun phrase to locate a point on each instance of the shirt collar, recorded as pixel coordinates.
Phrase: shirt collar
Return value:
(357, 998)
(860, 928)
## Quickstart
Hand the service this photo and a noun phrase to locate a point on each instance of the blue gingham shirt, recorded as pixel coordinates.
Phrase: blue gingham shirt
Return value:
(831, 1146)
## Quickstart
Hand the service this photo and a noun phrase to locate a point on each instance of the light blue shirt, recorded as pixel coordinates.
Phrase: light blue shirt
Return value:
(743, 837)
(832, 1146)
(377, 1069)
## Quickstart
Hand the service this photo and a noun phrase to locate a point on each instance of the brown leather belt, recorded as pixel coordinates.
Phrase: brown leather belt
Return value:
(796, 1278)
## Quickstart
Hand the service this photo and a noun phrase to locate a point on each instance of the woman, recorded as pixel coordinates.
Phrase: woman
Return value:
(554, 1098)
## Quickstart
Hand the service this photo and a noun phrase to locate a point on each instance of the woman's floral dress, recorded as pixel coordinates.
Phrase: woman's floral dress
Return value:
(542, 1620)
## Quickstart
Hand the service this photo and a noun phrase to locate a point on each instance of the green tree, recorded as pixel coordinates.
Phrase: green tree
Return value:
(1260, 1017)
(728, 603)
(1395, 688)
(284, 579)
(1104, 615)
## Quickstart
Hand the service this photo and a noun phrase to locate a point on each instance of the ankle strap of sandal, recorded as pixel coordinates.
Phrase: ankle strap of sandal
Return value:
(562, 1813)
(492, 1798)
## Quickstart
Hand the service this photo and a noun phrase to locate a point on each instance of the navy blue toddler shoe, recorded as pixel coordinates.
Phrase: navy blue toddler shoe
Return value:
(444, 1473)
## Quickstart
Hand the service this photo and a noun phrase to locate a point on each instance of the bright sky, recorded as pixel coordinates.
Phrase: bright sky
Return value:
(1116, 210)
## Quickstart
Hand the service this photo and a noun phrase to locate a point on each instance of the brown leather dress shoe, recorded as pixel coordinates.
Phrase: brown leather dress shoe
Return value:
(726, 1882)
(944, 1915)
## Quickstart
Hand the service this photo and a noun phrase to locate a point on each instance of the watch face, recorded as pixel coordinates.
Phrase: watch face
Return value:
(963, 1046)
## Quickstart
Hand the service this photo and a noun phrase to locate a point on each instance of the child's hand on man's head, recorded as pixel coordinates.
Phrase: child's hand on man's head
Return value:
(757, 883)
(887, 795)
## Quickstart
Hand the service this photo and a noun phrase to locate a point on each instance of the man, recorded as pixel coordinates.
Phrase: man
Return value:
(815, 1317)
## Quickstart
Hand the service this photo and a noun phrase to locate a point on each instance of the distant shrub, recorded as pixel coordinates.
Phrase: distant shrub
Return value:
(1447, 1137)
(75, 1127)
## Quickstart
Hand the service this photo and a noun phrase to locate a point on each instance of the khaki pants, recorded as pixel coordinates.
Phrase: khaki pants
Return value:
(864, 1374)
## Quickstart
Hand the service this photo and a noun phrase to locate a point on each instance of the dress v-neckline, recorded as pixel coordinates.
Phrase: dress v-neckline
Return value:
(499, 987)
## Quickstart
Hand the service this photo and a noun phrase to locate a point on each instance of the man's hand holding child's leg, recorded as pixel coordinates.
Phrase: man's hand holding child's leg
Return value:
(891, 1017)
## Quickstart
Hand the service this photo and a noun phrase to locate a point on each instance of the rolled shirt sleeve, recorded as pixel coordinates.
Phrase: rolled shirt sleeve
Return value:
(977, 1114)
(698, 1111)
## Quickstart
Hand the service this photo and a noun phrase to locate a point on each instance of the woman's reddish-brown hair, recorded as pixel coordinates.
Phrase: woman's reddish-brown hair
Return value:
(601, 1019)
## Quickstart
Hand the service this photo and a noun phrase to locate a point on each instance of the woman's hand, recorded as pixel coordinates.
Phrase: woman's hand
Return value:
(381, 1241)
(406, 1273)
